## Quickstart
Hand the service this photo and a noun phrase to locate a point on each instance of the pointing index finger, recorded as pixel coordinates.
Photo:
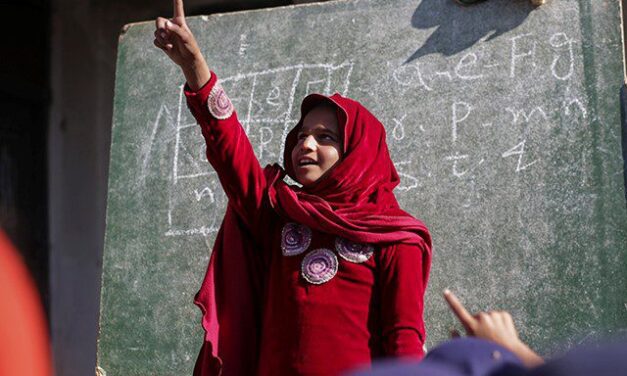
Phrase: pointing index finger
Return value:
(178, 9)
(458, 309)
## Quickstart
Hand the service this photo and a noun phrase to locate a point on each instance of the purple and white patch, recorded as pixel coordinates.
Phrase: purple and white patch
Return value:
(319, 266)
(218, 102)
(353, 252)
(295, 239)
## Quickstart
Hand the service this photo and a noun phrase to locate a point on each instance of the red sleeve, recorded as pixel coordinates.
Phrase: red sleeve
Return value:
(228, 150)
(402, 301)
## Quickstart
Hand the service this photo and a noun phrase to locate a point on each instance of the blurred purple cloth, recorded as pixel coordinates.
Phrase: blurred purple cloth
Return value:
(463, 356)
(477, 357)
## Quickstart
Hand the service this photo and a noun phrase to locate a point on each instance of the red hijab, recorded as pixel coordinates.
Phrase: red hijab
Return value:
(353, 200)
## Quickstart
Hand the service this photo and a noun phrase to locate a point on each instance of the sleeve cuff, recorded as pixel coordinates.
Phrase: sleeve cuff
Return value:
(211, 97)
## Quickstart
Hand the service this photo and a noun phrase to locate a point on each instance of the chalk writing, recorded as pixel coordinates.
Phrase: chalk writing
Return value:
(242, 45)
(408, 182)
(559, 40)
(399, 130)
(517, 55)
(522, 115)
(519, 150)
(568, 104)
(407, 75)
(461, 111)
(528, 54)
(456, 158)
(265, 137)
(273, 95)
(267, 101)
(467, 63)
(205, 192)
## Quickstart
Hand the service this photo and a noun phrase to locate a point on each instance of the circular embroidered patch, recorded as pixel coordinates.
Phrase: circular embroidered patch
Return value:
(353, 252)
(218, 102)
(295, 239)
(319, 266)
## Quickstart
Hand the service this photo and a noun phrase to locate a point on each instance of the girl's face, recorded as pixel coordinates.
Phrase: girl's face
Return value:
(319, 145)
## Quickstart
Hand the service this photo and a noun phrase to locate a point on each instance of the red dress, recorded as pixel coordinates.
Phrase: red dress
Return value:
(371, 307)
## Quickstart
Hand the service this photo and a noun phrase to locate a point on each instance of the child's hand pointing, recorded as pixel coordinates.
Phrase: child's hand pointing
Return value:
(496, 326)
(177, 41)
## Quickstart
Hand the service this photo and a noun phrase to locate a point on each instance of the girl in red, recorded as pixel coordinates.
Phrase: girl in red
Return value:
(311, 280)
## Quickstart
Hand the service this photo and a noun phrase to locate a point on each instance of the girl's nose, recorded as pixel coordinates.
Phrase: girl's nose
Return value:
(309, 143)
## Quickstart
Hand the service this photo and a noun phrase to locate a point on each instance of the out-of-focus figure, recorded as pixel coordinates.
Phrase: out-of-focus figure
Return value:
(24, 344)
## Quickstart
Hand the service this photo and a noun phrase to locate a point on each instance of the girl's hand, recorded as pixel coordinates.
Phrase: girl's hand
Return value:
(496, 326)
(177, 41)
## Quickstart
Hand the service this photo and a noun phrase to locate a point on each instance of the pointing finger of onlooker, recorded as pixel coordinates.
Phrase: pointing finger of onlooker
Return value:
(467, 320)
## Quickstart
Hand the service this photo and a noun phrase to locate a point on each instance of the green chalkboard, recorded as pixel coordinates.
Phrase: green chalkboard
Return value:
(503, 121)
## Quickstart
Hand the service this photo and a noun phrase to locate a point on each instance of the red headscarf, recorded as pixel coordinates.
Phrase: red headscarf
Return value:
(353, 200)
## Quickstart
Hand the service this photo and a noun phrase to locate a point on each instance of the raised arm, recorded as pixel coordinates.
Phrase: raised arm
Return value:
(228, 149)
(177, 41)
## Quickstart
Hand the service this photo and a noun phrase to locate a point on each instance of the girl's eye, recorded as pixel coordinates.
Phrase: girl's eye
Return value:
(327, 137)
(302, 136)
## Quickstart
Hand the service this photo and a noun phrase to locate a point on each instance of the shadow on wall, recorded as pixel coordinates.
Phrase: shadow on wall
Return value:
(460, 27)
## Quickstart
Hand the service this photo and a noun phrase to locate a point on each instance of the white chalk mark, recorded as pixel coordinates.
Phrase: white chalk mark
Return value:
(569, 103)
(465, 63)
(445, 74)
(327, 87)
(287, 123)
(493, 65)
(399, 130)
(347, 79)
(403, 186)
(242, 45)
(273, 96)
(205, 192)
(163, 112)
(456, 119)
(194, 231)
(406, 75)
(421, 127)
(516, 55)
(296, 67)
(250, 104)
(413, 181)
(265, 137)
(520, 115)
(197, 175)
(456, 158)
(559, 40)
(177, 136)
(420, 79)
(486, 125)
(519, 150)
(311, 83)
(182, 127)
(190, 157)
(398, 75)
